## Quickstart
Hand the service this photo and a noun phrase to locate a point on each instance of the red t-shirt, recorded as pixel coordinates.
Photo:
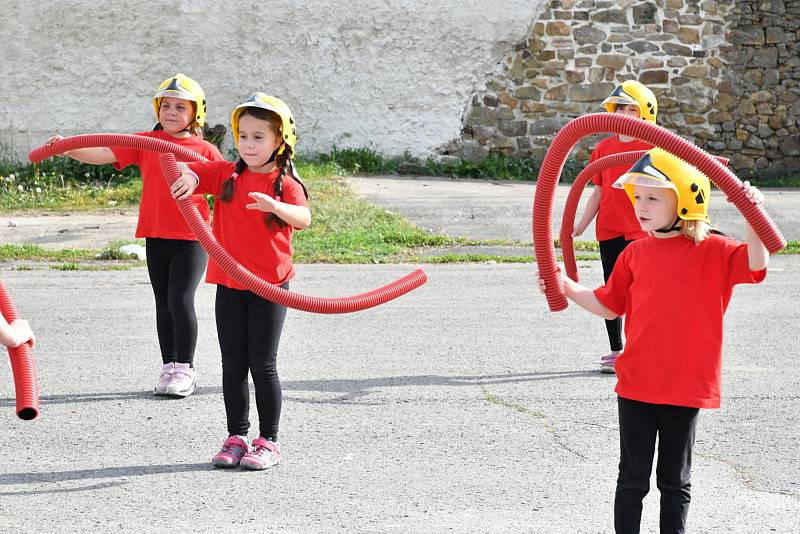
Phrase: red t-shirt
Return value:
(159, 215)
(265, 251)
(673, 294)
(615, 217)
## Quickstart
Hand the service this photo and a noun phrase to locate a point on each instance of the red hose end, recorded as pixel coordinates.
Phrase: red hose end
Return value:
(26, 414)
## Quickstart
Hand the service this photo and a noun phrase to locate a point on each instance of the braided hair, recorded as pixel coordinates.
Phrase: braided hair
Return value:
(283, 161)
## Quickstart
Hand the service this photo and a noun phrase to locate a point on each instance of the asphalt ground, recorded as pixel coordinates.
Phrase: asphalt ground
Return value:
(464, 406)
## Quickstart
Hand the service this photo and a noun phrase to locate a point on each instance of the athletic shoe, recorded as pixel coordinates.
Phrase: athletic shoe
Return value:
(231, 453)
(183, 381)
(607, 362)
(164, 378)
(264, 454)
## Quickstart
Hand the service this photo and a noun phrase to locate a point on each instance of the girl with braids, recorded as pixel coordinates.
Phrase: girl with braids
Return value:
(261, 201)
(175, 260)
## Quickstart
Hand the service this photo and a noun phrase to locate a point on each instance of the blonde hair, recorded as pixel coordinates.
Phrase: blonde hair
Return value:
(695, 231)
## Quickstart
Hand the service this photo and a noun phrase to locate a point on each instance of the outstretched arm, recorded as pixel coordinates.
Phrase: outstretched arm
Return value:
(93, 156)
(582, 296)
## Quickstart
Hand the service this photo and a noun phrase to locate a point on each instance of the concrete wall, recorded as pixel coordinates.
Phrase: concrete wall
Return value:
(393, 75)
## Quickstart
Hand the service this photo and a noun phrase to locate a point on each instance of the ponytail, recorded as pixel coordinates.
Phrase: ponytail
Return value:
(227, 185)
(284, 163)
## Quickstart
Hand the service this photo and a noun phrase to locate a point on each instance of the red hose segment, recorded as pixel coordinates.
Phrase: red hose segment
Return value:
(25, 383)
(139, 142)
(580, 127)
(571, 206)
(272, 292)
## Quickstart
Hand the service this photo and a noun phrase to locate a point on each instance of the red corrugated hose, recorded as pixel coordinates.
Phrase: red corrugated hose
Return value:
(574, 197)
(26, 385)
(594, 123)
(212, 246)
(272, 292)
(139, 142)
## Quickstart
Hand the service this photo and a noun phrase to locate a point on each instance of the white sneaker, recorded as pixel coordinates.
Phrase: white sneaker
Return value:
(183, 381)
(164, 378)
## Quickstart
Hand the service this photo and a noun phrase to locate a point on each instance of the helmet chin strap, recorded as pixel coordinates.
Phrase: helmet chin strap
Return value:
(673, 227)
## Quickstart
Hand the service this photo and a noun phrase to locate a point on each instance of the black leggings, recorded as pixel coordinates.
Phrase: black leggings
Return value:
(639, 423)
(176, 267)
(610, 249)
(249, 330)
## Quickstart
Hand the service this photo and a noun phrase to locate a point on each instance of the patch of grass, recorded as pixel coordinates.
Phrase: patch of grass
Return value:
(792, 247)
(348, 229)
(63, 183)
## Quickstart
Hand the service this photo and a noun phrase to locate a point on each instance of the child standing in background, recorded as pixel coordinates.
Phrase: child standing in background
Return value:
(616, 225)
(261, 202)
(673, 288)
(175, 260)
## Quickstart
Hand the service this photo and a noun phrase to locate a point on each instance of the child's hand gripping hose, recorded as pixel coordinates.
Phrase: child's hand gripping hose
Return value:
(594, 123)
(25, 383)
(574, 197)
(272, 292)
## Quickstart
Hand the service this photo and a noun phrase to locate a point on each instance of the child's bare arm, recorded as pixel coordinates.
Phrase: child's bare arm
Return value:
(757, 253)
(93, 156)
(582, 296)
(589, 213)
(183, 187)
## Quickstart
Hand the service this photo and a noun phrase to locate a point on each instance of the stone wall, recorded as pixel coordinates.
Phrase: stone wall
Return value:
(726, 75)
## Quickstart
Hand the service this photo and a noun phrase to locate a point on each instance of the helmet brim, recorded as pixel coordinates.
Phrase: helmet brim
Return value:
(183, 95)
(647, 180)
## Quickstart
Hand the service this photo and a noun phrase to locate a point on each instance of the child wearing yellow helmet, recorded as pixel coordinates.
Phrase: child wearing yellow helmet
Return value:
(175, 260)
(673, 288)
(616, 226)
(261, 203)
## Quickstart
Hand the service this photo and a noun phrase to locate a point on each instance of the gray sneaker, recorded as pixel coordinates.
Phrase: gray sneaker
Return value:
(183, 381)
(607, 363)
(167, 370)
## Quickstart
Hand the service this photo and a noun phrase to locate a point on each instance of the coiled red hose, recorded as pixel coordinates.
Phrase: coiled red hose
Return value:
(139, 142)
(571, 206)
(593, 123)
(272, 292)
(26, 385)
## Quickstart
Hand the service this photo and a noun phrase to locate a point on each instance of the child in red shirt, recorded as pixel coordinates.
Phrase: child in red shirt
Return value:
(175, 260)
(673, 287)
(261, 201)
(616, 225)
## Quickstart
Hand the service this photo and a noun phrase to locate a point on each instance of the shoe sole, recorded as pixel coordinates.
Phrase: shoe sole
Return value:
(608, 370)
(223, 465)
(256, 467)
(180, 394)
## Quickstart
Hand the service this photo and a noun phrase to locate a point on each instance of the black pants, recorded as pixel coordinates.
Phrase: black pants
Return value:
(176, 267)
(610, 249)
(249, 329)
(639, 423)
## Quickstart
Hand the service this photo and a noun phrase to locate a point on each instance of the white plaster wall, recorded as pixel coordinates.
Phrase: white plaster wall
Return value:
(393, 75)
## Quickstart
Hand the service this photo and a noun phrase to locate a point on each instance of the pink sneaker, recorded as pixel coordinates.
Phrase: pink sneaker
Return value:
(164, 378)
(231, 453)
(183, 381)
(607, 362)
(264, 454)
